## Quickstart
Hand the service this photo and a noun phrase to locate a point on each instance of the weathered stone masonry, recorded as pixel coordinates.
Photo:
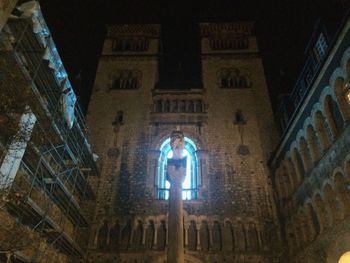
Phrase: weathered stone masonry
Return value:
(233, 218)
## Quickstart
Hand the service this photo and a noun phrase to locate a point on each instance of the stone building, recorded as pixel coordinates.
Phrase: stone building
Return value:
(229, 129)
(311, 164)
(249, 195)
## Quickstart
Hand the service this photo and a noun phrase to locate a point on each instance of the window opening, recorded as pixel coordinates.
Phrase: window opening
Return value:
(190, 185)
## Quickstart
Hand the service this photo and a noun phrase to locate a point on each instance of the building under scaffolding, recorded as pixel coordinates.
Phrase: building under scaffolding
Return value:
(46, 159)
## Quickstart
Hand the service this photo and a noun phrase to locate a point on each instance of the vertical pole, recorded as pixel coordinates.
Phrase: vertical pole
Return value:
(176, 173)
(176, 242)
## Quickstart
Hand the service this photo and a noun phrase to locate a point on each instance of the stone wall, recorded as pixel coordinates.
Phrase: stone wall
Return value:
(311, 166)
(234, 217)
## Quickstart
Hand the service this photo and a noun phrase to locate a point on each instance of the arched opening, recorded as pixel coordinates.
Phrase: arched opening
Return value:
(298, 164)
(228, 237)
(345, 258)
(204, 236)
(281, 192)
(125, 236)
(313, 222)
(167, 106)
(253, 237)
(192, 236)
(190, 185)
(161, 238)
(102, 236)
(159, 106)
(137, 235)
(286, 179)
(333, 205)
(240, 237)
(341, 187)
(340, 91)
(334, 117)
(322, 213)
(313, 143)
(321, 129)
(217, 240)
(305, 227)
(305, 153)
(149, 239)
(114, 236)
(291, 173)
(190, 106)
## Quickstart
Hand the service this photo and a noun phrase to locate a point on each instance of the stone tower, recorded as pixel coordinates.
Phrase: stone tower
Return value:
(229, 213)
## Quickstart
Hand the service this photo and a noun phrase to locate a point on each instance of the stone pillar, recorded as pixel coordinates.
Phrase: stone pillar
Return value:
(187, 226)
(156, 226)
(176, 175)
(198, 229)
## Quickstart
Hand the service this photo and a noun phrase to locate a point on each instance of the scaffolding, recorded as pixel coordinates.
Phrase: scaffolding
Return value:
(43, 202)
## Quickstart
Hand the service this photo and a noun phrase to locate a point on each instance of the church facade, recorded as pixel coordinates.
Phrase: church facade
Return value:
(230, 213)
(250, 193)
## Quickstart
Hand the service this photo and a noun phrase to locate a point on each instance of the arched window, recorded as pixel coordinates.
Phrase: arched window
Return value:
(190, 185)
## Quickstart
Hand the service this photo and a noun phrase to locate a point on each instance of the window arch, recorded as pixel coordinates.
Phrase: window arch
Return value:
(190, 185)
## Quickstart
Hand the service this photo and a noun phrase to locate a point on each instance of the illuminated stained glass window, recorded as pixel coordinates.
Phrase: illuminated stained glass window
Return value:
(190, 185)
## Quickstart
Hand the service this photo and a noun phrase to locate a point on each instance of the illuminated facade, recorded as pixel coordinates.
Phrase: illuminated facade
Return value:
(311, 163)
(228, 201)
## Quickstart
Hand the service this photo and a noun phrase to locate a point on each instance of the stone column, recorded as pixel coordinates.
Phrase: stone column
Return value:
(198, 229)
(176, 175)
(156, 226)
(187, 226)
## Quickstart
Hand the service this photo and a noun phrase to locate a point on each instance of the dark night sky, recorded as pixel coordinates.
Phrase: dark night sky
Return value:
(283, 28)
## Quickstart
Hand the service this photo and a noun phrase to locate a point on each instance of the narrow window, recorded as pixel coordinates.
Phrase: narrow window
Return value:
(190, 185)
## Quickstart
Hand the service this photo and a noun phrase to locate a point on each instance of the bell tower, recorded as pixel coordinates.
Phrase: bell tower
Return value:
(228, 131)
